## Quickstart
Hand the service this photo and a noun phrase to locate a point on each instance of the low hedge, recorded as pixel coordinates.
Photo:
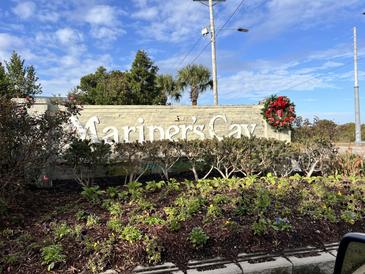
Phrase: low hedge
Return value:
(230, 157)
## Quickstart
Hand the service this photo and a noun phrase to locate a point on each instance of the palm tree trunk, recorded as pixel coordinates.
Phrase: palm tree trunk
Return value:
(194, 96)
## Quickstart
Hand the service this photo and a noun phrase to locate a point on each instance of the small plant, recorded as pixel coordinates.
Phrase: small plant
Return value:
(263, 200)
(213, 211)
(147, 219)
(220, 199)
(115, 225)
(153, 250)
(145, 205)
(92, 220)
(197, 237)
(103, 251)
(81, 215)
(349, 217)
(112, 192)
(281, 224)
(172, 185)
(7, 233)
(153, 185)
(241, 206)
(12, 259)
(92, 193)
(61, 230)
(189, 205)
(131, 234)
(135, 189)
(51, 255)
(115, 209)
(261, 226)
(173, 224)
(77, 231)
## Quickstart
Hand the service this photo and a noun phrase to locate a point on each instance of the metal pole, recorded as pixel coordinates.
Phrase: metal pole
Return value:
(356, 93)
(214, 60)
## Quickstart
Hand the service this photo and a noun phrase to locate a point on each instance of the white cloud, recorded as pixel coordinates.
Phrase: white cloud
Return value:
(48, 16)
(67, 72)
(284, 15)
(105, 33)
(68, 36)
(104, 21)
(172, 21)
(25, 10)
(249, 84)
(8, 43)
(146, 13)
(101, 15)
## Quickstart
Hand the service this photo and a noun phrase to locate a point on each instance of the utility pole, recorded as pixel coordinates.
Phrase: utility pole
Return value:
(212, 40)
(214, 57)
(356, 94)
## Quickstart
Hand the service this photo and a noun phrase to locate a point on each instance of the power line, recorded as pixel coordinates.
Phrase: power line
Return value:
(188, 53)
(192, 48)
(218, 31)
(180, 64)
(231, 16)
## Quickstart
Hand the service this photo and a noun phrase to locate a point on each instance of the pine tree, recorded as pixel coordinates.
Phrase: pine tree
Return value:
(142, 79)
(23, 80)
(4, 82)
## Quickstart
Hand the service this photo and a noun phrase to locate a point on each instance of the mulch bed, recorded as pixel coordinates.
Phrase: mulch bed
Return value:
(35, 210)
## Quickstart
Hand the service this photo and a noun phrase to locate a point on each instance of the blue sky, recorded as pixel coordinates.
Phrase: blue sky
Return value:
(302, 49)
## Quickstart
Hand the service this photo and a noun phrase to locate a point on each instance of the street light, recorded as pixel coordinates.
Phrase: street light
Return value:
(242, 30)
(205, 31)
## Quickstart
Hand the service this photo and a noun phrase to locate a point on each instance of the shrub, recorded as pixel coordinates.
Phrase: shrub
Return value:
(92, 220)
(51, 255)
(349, 164)
(86, 159)
(115, 225)
(61, 230)
(115, 209)
(165, 154)
(131, 234)
(197, 237)
(133, 159)
(92, 194)
(29, 145)
(316, 156)
(153, 250)
(261, 226)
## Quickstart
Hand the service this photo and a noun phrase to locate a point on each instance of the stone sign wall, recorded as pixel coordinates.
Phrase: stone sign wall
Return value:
(148, 123)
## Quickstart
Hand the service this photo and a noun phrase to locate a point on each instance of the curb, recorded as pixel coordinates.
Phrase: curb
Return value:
(300, 260)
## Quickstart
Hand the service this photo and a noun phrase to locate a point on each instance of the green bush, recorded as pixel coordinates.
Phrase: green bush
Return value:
(92, 193)
(51, 255)
(197, 237)
(131, 234)
(29, 145)
(86, 159)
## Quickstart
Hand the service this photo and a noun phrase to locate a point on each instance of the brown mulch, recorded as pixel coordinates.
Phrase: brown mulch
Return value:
(38, 208)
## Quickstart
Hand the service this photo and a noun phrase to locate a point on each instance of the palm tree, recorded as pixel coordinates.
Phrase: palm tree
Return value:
(167, 85)
(195, 77)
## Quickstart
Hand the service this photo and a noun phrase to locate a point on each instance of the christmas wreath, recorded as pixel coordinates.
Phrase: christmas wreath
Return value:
(279, 112)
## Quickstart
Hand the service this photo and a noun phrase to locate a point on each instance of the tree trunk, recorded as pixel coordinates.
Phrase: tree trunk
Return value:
(194, 96)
